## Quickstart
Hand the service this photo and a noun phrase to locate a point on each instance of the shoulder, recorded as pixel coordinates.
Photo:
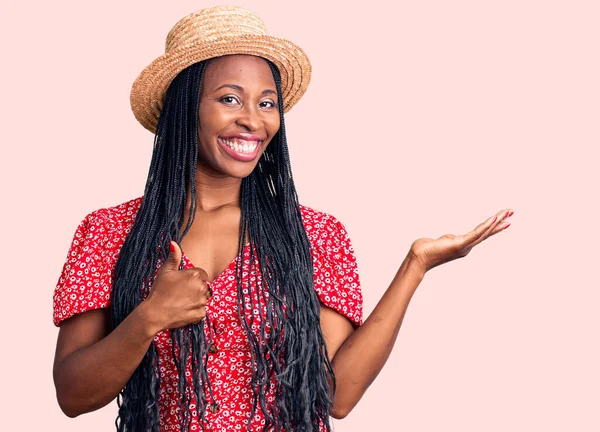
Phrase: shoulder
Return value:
(321, 227)
(335, 268)
(85, 281)
(119, 216)
(109, 226)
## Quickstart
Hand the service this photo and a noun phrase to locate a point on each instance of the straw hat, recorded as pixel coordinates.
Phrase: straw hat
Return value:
(215, 32)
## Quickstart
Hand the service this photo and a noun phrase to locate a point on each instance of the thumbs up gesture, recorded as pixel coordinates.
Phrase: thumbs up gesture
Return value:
(177, 297)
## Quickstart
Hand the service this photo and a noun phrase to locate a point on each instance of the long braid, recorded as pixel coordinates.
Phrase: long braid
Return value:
(297, 364)
(157, 222)
(288, 352)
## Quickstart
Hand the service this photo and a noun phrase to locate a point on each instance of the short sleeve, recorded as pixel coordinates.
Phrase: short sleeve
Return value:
(85, 280)
(336, 272)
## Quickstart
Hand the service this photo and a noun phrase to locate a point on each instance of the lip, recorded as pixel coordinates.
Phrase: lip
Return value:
(242, 157)
(243, 136)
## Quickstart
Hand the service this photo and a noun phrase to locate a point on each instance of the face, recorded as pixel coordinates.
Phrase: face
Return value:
(238, 115)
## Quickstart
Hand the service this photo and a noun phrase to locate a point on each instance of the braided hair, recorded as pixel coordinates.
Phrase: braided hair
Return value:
(288, 352)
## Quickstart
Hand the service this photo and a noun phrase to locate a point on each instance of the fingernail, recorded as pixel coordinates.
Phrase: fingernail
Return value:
(495, 217)
(511, 213)
(171, 247)
(506, 226)
(506, 214)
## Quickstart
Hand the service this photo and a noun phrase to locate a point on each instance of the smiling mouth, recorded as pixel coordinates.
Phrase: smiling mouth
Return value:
(240, 145)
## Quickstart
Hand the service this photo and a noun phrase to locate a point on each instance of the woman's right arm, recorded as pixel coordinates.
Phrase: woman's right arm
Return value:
(92, 364)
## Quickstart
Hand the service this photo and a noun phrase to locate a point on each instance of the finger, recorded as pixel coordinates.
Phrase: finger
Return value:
(201, 314)
(501, 226)
(206, 293)
(199, 273)
(498, 225)
(472, 236)
(481, 231)
(173, 260)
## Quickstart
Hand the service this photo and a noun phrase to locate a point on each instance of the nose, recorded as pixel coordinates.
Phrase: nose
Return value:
(249, 118)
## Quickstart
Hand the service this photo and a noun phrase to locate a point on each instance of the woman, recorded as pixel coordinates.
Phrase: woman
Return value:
(258, 324)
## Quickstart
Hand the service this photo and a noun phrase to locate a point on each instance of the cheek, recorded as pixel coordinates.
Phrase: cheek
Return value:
(272, 126)
(209, 122)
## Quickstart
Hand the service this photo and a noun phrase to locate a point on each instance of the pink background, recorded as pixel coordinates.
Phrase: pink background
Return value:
(422, 118)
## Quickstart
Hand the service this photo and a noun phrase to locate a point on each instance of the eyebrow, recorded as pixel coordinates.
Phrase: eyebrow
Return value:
(241, 89)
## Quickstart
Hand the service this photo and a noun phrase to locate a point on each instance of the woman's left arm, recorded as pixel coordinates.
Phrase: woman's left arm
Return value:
(358, 356)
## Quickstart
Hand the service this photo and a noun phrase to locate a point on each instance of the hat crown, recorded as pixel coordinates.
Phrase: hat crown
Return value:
(214, 23)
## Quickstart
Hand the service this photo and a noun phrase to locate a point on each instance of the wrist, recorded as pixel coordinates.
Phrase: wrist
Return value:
(409, 276)
(148, 319)
(414, 266)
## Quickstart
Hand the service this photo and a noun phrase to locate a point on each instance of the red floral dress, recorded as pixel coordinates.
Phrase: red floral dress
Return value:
(85, 284)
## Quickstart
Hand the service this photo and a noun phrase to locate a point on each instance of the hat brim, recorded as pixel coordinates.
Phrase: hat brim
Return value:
(149, 88)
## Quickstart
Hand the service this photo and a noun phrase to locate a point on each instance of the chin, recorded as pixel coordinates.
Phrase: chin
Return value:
(238, 168)
(240, 172)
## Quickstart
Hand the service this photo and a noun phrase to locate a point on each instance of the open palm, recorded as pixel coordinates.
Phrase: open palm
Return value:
(430, 253)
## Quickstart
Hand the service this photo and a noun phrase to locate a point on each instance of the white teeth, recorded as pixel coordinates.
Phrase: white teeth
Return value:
(241, 146)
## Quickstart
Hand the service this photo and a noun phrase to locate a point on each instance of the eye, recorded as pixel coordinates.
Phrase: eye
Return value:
(268, 104)
(229, 100)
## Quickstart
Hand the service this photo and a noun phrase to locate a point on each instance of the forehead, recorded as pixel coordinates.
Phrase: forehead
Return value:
(239, 68)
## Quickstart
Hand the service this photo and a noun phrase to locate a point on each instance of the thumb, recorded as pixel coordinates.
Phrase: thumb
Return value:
(174, 258)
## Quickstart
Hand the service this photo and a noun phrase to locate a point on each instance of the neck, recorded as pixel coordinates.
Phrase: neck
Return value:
(214, 191)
